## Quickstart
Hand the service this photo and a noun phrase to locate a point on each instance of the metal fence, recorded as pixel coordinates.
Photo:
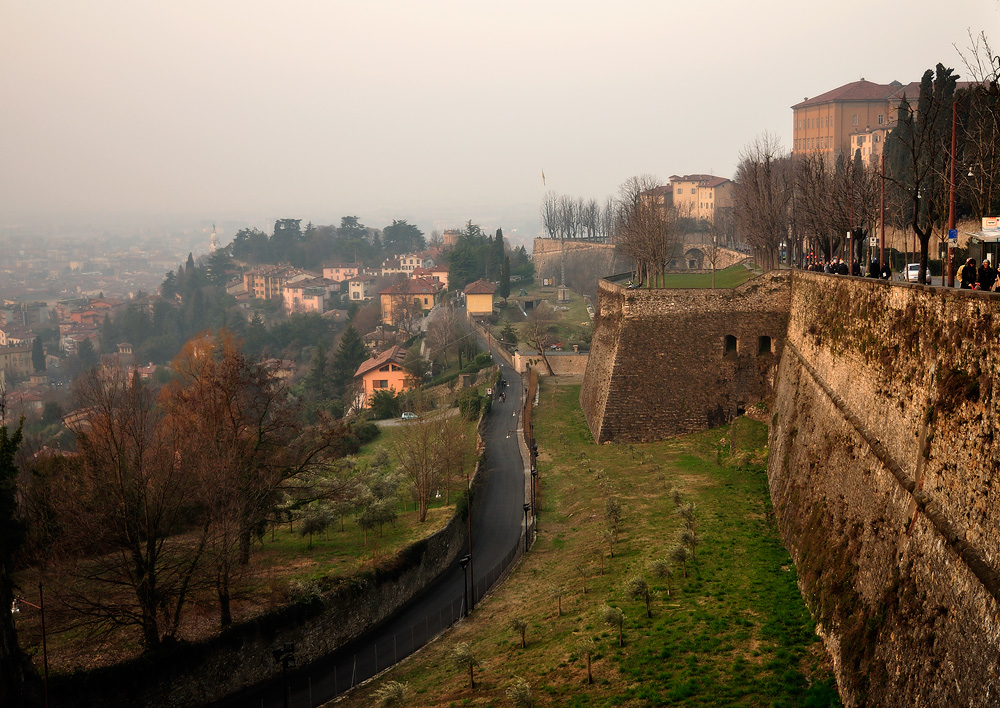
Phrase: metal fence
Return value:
(385, 652)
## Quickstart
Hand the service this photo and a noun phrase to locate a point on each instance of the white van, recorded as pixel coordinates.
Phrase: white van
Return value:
(912, 272)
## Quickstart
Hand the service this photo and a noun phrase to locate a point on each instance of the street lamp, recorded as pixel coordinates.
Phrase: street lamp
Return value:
(464, 562)
(527, 507)
(285, 656)
(45, 653)
(534, 482)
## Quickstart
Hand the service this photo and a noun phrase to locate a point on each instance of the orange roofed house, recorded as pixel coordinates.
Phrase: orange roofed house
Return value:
(479, 298)
(383, 371)
(409, 299)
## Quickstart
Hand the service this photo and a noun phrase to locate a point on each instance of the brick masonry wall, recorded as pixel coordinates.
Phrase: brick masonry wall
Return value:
(658, 365)
(883, 475)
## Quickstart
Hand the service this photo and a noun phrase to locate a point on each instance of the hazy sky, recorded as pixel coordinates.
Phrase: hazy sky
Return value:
(430, 110)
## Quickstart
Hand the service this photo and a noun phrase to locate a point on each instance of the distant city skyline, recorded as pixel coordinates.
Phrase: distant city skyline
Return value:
(143, 114)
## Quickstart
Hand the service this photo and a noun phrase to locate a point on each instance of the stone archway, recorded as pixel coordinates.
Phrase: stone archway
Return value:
(694, 259)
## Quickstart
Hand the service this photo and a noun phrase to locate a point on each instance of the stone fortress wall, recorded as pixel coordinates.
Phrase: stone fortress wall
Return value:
(668, 362)
(884, 448)
(883, 472)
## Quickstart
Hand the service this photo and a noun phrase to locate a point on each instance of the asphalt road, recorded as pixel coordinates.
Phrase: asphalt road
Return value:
(497, 524)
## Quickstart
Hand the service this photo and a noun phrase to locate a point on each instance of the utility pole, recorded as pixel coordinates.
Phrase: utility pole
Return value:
(881, 209)
(951, 197)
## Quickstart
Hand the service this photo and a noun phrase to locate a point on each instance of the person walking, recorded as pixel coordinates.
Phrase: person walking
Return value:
(886, 272)
(969, 274)
(987, 276)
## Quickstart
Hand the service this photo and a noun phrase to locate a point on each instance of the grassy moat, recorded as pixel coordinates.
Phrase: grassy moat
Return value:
(733, 631)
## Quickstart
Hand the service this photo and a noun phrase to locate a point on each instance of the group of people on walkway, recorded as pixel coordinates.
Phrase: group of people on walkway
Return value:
(837, 266)
(971, 278)
(967, 277)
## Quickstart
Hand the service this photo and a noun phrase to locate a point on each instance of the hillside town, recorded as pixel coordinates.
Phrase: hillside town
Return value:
(328, 441)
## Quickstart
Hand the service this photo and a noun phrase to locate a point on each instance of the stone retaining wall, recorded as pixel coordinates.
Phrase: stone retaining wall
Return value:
(883, 472)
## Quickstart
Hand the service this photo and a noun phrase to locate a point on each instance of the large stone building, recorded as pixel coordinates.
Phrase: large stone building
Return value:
(701, 196)
(854, 116)
(16, 362)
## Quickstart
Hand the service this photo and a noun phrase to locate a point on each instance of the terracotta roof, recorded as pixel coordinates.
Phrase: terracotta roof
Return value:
(480, 287)
(859, 91)
(702, 180)
(413, 286)
(395, 354)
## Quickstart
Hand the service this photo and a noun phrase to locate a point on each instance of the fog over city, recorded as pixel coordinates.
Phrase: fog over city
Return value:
(138, 114)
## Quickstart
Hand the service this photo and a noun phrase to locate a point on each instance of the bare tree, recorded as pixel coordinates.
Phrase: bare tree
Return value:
(762, 196)
(536, 331)
(416, 449)
(813, 201)
(132, 499)
(550, 214)
(238, 435)
(646, 229)
(456, 452)
(978, 169)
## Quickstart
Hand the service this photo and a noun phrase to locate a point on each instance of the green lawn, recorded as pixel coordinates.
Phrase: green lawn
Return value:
(735, 631)
(729, 278)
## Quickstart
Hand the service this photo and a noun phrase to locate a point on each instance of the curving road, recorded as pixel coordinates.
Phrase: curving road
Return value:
(497, 526)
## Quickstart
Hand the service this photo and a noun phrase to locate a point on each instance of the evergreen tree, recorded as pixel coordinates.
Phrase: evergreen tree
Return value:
(38, 355)
(505, 279)
(286, 242)
(12, 533)
(317, 374)
(496, 258)
(86, 355)
(350, 355)
(216, 267)
(169, 287)
(256, 339)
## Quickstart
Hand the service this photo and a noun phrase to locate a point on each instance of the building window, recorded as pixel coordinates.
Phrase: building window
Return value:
(730, 346)
(763, 346)
(881, 119)
(380, 383)
(854, 119)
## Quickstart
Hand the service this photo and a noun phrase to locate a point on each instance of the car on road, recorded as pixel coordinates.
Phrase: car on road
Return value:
(912, 272)
(408, 416)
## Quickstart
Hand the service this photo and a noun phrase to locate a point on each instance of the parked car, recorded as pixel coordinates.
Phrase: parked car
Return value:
(912, 272)
(408, 416)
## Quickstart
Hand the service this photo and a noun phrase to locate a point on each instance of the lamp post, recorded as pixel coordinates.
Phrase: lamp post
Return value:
(285, 655)
(527, 507)
(881, 218)
(534, 482)
(951, 196)
(45, 653)
(468, 520)
(464, 562)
